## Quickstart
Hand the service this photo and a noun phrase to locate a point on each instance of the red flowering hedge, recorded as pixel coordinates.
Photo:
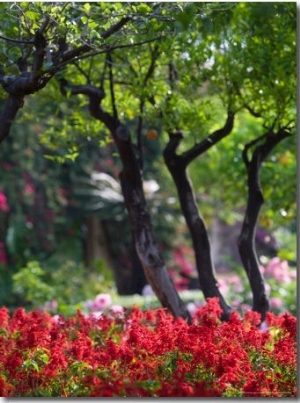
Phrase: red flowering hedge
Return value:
(144, 354)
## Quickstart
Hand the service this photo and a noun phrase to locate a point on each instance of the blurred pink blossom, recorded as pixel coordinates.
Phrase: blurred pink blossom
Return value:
(223, 287)
(89, 304)
(235, 304)
(95, 315)
(278, 269)
(58, 319)
(268, 288)
(236, 283)
(275, 303)
(102, 301)
(3, 203)
(117, 310)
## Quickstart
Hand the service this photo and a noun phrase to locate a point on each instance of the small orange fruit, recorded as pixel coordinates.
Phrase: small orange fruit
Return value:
(152, 134)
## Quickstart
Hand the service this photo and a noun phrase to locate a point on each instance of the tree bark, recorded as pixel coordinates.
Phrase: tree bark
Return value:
(246, 240)
(177, 165)
(8, 114)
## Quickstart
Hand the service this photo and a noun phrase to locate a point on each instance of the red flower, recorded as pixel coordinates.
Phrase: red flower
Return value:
(6, 388)
(210, 313)
(289, 324)
(252, 317)
(4, 318)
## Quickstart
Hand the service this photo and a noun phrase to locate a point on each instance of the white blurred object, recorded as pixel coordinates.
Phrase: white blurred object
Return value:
(264, 327)
(147, 290)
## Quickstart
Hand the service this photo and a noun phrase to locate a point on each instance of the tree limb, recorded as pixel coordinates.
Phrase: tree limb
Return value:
(11, 107)
(111, 85)
(95, 97)
(210, 140)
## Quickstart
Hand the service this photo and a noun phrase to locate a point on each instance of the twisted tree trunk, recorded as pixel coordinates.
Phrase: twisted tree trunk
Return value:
(246, 240)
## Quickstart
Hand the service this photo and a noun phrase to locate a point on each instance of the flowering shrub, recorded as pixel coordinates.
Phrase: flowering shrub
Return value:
(147, 354)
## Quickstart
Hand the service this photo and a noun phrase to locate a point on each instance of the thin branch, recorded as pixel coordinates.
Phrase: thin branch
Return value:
(95, 97)
(82, 49)
(139, 132)
(87, 76)
(17, 40)
(111, 85)
(102, 79)
(44, 25)
(154, 57)
(115, 28)
(39, 56)
(251, 144)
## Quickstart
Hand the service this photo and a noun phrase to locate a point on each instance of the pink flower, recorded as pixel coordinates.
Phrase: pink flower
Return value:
(236, 283)
(88, 304)
(102, 301)
(117, 310)
(96, 315)
(235, 303)
(57, 319)
(3, 203)
(275, 303)
(223, 287)
(278, 269)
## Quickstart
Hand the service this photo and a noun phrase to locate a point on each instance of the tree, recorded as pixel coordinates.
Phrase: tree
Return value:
(160, 79)
(42, 70)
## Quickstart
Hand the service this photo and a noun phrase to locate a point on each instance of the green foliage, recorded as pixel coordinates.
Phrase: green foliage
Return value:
(28, 283)
(68, 287)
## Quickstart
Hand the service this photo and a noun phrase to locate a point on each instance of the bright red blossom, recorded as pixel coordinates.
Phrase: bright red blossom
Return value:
(146, 354)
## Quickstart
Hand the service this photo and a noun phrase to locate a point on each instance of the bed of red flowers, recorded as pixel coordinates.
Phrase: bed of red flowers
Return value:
(147, 354)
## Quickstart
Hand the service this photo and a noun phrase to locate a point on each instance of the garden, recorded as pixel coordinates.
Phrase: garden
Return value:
(147, 354)
(148, 200)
